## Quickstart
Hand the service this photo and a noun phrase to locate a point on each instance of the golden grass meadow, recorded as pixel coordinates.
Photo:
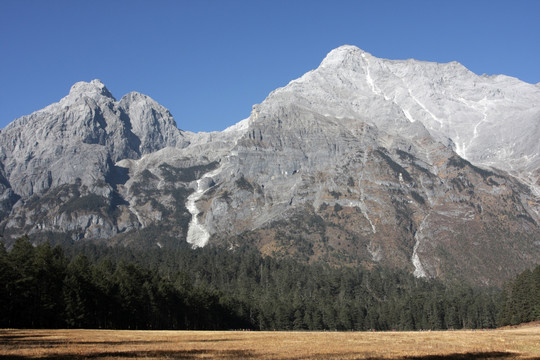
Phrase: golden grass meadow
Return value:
(513, 343)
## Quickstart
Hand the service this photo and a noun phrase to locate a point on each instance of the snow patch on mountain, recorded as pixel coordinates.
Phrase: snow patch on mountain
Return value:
(197, 234)
(419, 270)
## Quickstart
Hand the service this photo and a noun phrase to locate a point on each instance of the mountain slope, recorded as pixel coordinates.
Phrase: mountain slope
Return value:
(492, 121)
(363, 161)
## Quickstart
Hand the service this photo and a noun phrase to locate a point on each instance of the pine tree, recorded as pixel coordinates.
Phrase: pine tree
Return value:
(79, 294)
(133, 294)
(50, 268)
(23, 292)
(536, 293)
(523, 298)
(106, 300)
(6, 284)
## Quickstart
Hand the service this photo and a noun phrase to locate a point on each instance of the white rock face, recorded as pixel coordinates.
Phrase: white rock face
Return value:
(197, 234)
(490, 120)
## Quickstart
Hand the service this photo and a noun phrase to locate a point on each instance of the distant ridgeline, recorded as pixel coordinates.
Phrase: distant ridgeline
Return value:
(94, 286)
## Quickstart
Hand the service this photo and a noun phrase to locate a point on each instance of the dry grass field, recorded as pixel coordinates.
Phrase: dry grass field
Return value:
(518, 343)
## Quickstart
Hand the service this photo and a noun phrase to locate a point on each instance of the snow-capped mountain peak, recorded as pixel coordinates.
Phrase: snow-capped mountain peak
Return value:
(484, 117)
(343, 56)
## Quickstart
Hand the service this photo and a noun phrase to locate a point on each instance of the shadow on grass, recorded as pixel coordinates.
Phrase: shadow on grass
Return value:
(457, 356)
(465, 356)
(180, 354)
(32, 341)
(10, 338)
(210, 340)
(242, 354)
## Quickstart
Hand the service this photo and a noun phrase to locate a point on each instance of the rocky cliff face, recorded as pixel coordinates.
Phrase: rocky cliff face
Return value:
(59, 162)
(363, 161)
(489, 120)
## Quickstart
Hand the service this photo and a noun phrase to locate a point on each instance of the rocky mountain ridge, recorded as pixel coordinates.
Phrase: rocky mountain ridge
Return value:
(363, 161)
(490, 120)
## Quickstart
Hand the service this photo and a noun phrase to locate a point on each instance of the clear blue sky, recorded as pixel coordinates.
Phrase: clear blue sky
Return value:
(208, 61)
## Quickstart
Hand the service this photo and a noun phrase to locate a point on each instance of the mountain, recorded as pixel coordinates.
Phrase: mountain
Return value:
(362, 161)
(62, 158)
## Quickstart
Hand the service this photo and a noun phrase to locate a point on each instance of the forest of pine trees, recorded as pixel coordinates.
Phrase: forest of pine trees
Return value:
(521, 299)
(95, 286)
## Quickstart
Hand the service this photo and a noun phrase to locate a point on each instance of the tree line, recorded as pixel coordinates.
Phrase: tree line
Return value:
(97, 286)
(40, 287)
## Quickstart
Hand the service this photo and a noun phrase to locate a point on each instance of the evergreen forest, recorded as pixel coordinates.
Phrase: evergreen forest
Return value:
(97, 286)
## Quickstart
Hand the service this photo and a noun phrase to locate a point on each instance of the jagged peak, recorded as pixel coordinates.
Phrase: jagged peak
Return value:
(136, 104)
(93, 89)
(136, 96)
(343, 55)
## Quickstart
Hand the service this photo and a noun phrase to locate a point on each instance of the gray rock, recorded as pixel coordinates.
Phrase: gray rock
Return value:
(78, 141)
(362, 161)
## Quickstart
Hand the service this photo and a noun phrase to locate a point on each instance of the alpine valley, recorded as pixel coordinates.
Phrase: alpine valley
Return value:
(363, 161)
